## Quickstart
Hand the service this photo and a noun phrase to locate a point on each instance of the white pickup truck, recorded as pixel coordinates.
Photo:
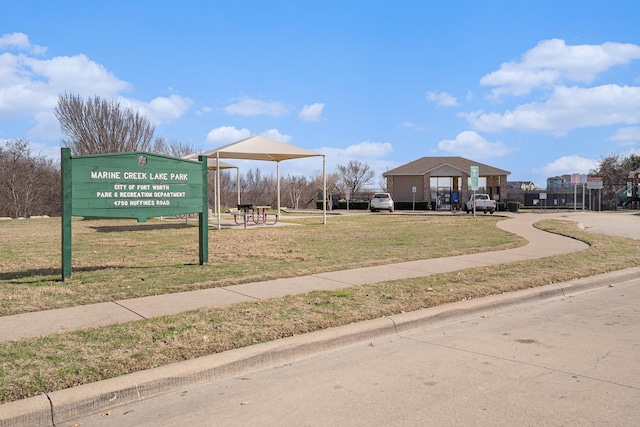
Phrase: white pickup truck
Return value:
(483, 203)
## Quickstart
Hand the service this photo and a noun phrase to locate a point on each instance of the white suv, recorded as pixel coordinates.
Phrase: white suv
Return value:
(382, 201)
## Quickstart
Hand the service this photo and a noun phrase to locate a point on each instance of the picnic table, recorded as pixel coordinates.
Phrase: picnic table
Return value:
(256, 214)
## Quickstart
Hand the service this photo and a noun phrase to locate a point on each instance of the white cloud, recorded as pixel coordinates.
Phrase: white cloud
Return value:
(412, 126)
(469, 96)
(365, 150)
(442, 99)
(45, 150)
(227, 134)
(30, 86)
(569, 164)
(311, 113)
(553, 62)
(161, 109)
(47, 126)
(276, 135)
(204, 110)
(371, 153)
(567, 108)
(254, 107)
(626, 135)
(76, 73)
(472, 145)
(38, 149)
(20, 41)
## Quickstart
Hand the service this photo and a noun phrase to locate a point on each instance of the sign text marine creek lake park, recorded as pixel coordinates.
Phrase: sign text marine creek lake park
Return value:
(137, 185)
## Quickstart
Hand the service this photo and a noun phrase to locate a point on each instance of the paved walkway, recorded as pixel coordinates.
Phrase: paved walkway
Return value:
(72, 318)
(540, 244)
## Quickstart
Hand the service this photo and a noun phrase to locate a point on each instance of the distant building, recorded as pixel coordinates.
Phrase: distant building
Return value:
(442, 180)
(521, 185)
(562, 182)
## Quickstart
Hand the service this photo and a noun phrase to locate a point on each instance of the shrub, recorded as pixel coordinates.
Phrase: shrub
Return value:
(513, 206)
(407, 206)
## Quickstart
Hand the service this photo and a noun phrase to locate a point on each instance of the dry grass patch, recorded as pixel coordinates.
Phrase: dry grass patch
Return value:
(121, 259)
(31, 366)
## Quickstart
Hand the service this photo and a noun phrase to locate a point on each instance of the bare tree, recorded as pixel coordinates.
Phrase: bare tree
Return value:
(98, 126)
(383, 183)
(333, 183)
(316, 187)
(228, 189)
(355, 175)
(293, 188)
(257, 189)
(174, 147)
(614, 169)
(29, 184)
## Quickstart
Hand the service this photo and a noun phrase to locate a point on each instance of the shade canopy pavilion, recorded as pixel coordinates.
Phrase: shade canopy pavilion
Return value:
(211, 163)
(263, 148)
(212, 166)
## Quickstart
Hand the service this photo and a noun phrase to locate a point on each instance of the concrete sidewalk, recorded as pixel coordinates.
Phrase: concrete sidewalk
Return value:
(67, 404)
(72, 318)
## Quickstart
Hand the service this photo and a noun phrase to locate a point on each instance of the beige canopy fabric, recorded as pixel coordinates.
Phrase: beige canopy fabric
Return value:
(211, 163)
(214, 164)
(262, 148)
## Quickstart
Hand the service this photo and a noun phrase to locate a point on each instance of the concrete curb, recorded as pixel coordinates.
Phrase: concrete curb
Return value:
(63, 405)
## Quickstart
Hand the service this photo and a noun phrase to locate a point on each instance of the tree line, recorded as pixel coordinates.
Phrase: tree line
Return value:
(30, 183)
(614, 170)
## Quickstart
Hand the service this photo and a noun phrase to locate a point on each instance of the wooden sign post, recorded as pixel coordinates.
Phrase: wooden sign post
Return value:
(136, 185)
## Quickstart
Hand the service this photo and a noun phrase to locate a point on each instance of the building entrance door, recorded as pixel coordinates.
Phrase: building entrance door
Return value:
(446, 192)
(444, 198)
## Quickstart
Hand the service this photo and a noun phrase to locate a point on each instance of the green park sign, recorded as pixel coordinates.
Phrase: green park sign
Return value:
(474, 172)
(135, 185)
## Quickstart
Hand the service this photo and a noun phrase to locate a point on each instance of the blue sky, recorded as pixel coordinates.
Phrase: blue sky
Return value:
(539, 88)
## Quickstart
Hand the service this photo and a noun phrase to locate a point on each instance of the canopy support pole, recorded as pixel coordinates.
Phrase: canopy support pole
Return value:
(324, 189)
(238, 183)
(278, 184)
(218, 188)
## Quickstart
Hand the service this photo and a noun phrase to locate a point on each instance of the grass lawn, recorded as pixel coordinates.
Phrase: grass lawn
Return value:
(119, 259)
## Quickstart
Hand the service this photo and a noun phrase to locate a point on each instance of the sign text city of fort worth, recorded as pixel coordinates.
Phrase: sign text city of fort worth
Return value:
(136, 185)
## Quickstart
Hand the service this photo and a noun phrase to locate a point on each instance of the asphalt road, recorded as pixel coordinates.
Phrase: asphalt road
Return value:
(570, 360)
